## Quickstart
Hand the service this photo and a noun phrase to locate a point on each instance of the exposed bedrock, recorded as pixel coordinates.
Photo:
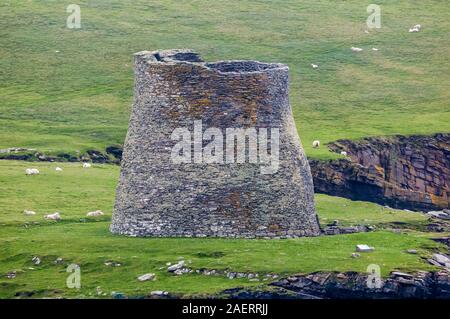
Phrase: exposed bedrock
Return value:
(423, 285)
(404, 172)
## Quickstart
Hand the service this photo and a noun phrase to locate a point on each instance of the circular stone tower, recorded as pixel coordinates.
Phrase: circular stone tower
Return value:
(266, 190)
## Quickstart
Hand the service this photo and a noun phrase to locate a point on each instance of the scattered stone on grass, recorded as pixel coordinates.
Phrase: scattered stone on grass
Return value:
(364, 248)
(11, 275)
(146, 277)
(441, 214)
(442, 260)
(36, 260)
(176, 266)
(159, 293)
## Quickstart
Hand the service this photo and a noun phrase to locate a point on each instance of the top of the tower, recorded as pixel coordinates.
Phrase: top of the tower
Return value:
(176, 56)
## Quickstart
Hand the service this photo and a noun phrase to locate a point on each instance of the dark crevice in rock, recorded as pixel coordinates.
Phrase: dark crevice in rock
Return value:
(403, 172)
(352, 285)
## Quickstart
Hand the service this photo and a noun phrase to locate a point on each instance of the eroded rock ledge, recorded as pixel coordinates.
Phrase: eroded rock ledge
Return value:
(404, 172)
(423, 285)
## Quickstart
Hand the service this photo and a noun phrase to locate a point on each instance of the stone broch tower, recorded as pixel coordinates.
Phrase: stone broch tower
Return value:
(159, 198)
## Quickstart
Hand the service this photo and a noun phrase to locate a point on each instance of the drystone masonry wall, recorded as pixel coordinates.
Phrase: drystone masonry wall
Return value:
(157, 197)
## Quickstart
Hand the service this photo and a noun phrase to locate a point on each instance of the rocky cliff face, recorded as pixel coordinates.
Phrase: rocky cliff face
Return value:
(405, 172)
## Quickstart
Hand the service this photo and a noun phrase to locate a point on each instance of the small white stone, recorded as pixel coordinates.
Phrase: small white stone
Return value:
(146, 277)
(36, 260)
(443, 260)
(364, 248)
(176, 267)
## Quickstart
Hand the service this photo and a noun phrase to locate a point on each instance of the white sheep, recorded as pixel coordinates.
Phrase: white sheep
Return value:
(314, 66)
(87, 165)
(374, 49)
(344, 153)
(29, 212)
(58, 169)
(32, 171)
(96, 213)
(355, 49)
(415, 28)
(54, 216)
(316, 144)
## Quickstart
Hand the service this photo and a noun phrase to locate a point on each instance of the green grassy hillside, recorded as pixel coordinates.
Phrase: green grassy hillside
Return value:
(88, 242)
(65, 90)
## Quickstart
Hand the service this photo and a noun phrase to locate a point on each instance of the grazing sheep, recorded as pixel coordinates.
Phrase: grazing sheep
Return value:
(415, 28)
(86, 165)
(29, 212)
(355, 49)
(316, 144)
(374, 49)
(58, 169)
(314, 66)
(32, 171)
(54, 216)
(344, 153)
(96, 213)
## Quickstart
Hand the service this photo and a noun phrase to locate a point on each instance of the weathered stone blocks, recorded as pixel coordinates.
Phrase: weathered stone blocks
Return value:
(157, 197)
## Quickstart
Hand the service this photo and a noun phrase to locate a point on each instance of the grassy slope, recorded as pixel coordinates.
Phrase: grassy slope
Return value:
(79, 98)
(88, 242)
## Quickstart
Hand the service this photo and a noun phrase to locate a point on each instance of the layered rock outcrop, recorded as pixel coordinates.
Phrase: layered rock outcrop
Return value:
(405, 172)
